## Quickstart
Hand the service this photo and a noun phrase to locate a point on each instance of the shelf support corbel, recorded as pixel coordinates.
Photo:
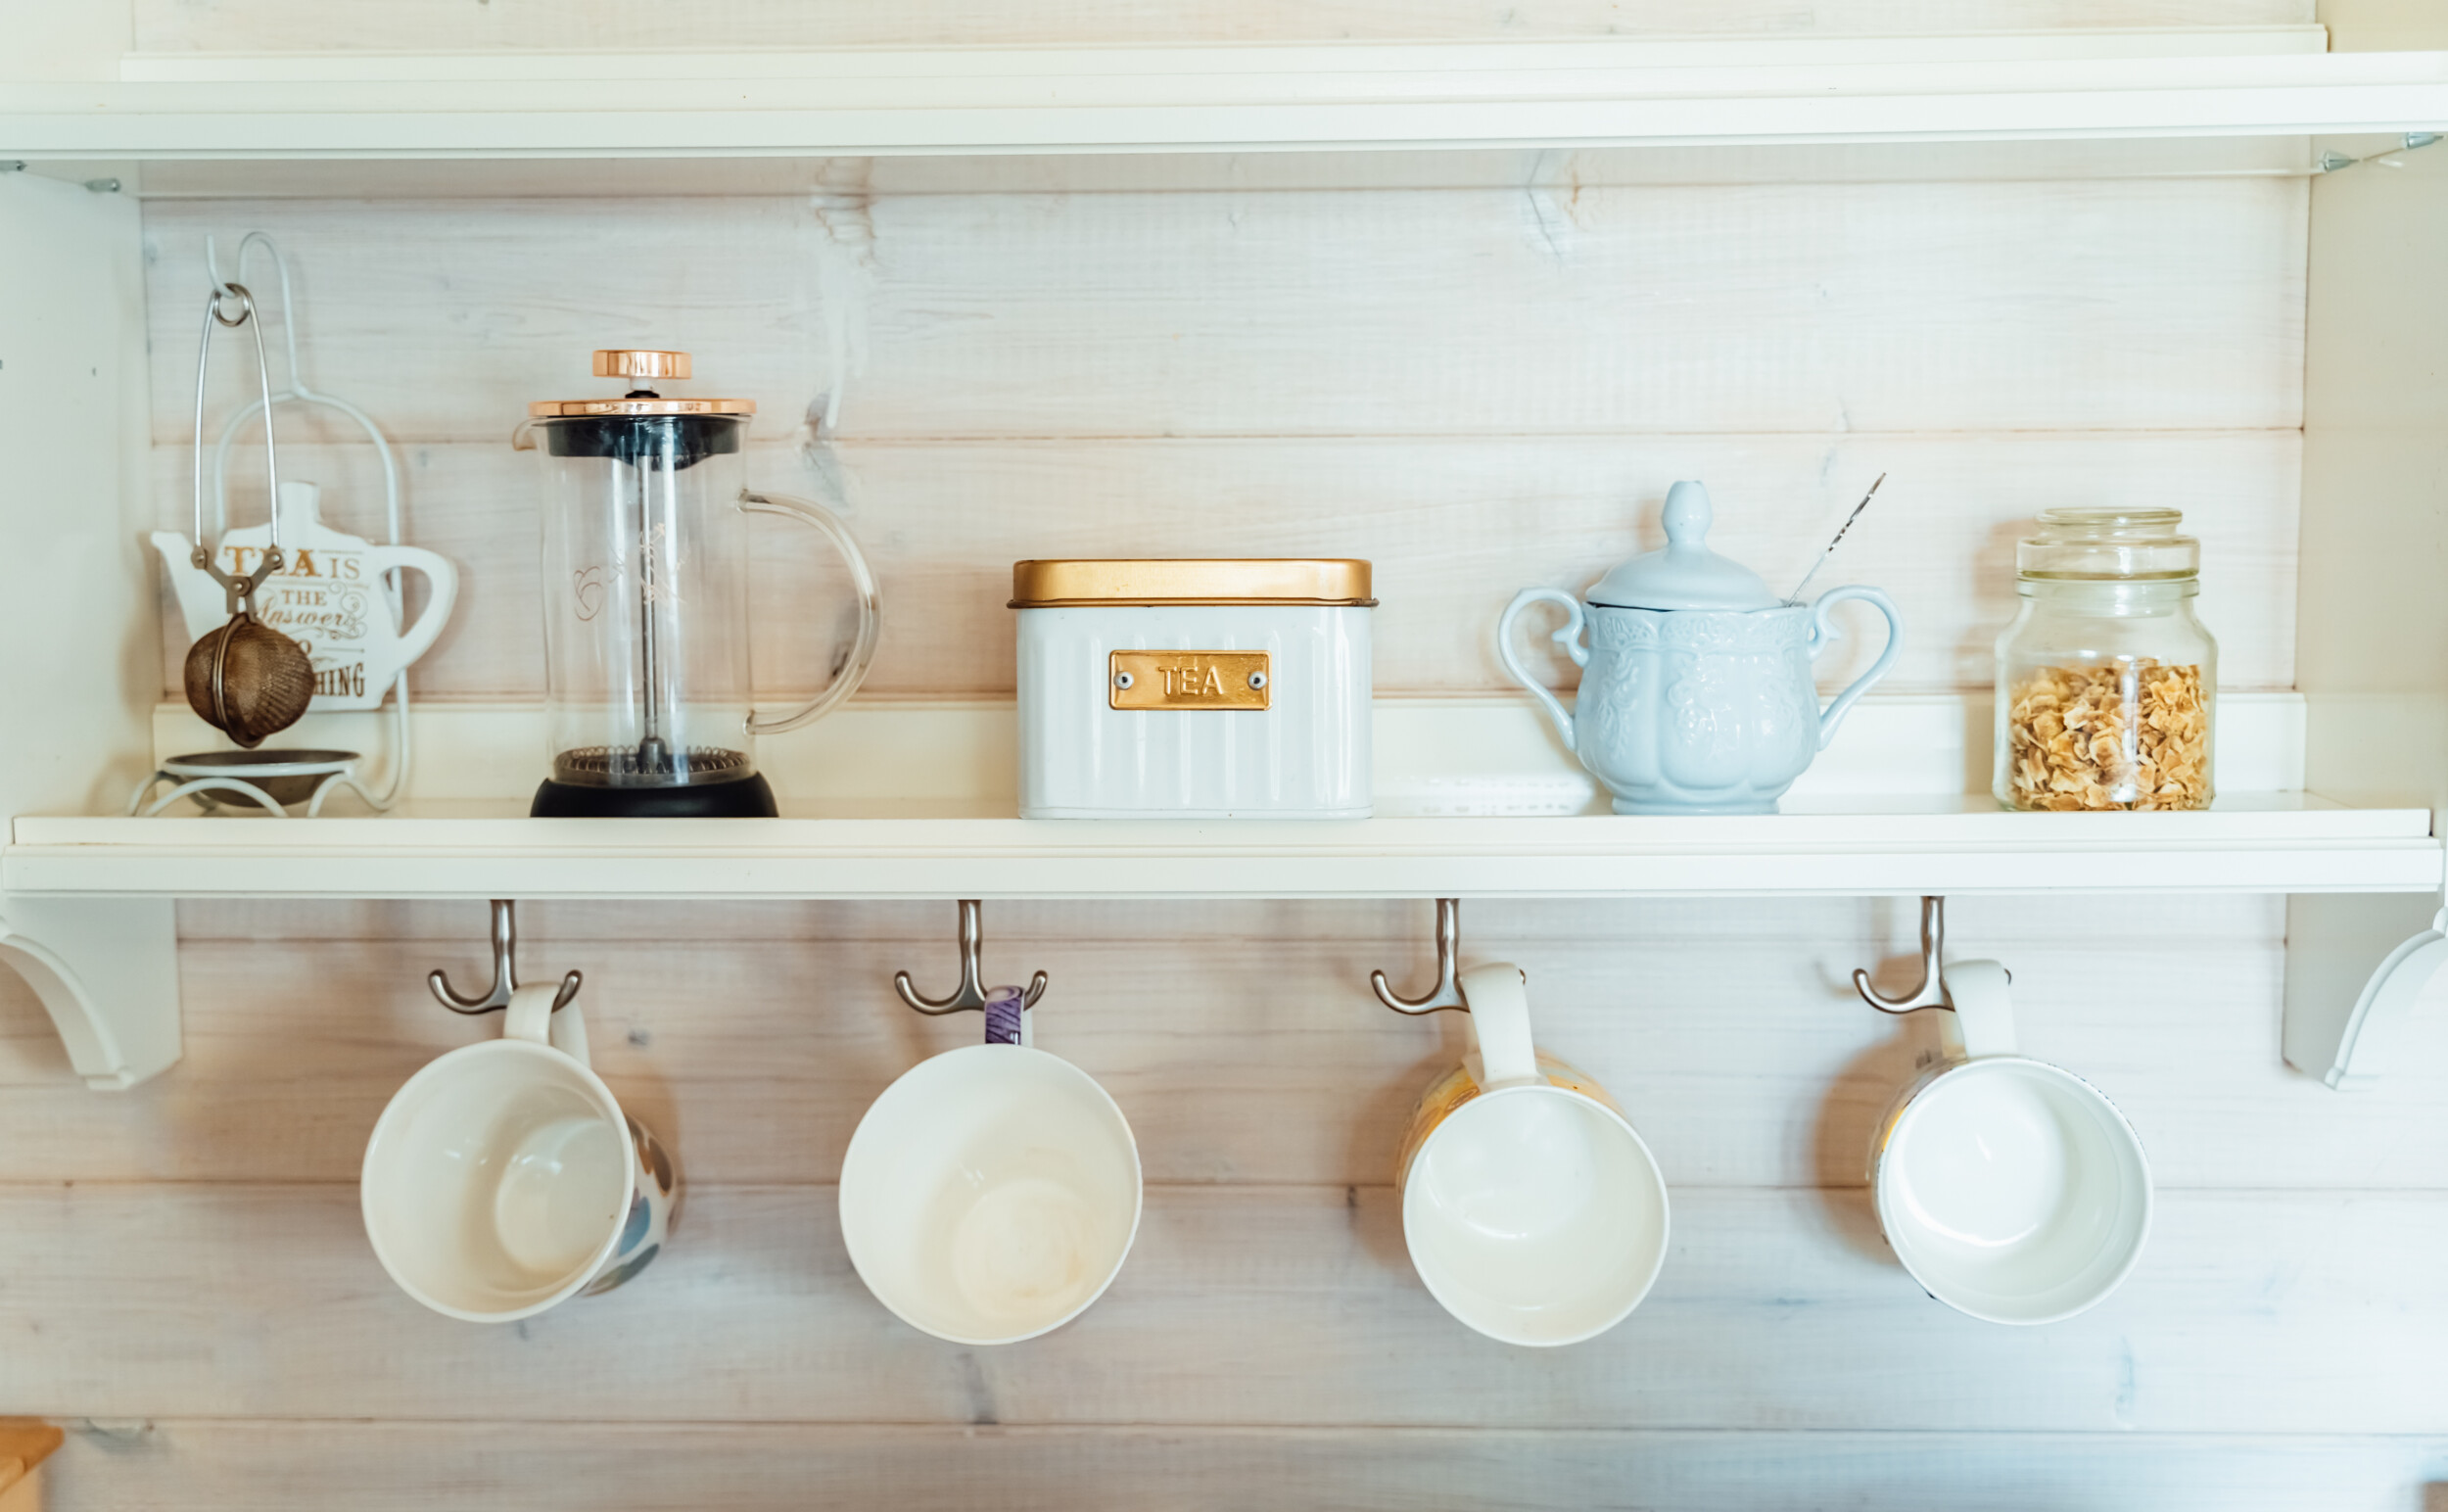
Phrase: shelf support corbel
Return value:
(2343, 1012)
(107, 972)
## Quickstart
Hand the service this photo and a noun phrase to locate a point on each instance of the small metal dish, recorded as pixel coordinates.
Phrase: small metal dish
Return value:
(284, 776)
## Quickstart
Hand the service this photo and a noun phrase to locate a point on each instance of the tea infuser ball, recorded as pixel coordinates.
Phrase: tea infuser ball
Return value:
(248, 680)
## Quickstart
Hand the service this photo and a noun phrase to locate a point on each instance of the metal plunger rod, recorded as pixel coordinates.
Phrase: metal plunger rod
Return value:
(652, 669)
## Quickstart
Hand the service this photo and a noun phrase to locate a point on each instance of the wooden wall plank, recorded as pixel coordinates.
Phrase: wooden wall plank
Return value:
(1455, 526)
(257, 1466)
(561, 25)
(1814, 308)
(1241, 1039)
(2256, 1311)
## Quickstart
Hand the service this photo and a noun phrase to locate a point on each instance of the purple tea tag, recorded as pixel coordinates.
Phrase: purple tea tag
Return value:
(1004, 1006)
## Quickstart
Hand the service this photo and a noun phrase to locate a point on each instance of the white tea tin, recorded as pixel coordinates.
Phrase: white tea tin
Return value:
(1193, 689)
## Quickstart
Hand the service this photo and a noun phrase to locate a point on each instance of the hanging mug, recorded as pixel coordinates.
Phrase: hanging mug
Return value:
(503, 1178)
(992, 1193)
(2010, 1189)
(1532, 1210)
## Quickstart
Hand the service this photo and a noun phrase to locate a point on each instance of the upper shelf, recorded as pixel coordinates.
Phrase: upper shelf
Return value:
(1475, 798)
(2124, 84)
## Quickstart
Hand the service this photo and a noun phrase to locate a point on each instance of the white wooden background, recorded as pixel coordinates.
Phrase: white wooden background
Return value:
(1481, 371)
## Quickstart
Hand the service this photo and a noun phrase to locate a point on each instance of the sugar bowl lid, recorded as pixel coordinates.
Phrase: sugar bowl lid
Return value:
(1686, 575)
(641, 367)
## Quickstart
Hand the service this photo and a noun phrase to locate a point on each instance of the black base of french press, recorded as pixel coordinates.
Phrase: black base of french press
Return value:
(747, 797)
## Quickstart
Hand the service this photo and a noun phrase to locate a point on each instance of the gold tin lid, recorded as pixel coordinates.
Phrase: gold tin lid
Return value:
(639, 366)
(1049, 585)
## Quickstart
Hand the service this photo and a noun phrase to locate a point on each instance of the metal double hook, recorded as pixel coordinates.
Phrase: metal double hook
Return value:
(1447, 992)
(1932, 993)
(972, 993)
(505, 939)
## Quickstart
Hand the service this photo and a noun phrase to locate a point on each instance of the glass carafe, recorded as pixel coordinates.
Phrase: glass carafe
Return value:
(651, 704)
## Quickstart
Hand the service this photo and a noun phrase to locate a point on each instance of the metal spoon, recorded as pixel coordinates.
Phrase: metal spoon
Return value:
(1795, 596)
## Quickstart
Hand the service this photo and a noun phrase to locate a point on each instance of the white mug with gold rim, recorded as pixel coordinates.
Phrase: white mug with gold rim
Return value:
(1532, 1210)
(2011, 1190)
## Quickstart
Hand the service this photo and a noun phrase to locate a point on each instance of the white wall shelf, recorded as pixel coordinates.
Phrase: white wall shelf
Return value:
(2291, 844)
(1475, 798)
(2102, 84)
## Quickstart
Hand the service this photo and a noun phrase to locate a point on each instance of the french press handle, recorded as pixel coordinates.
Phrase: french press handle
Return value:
(870, 621)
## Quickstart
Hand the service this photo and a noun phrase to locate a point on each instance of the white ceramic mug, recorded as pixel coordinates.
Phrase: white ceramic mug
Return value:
(2011, 1189)
(1531, 1209)
(503, 1177)
(991, 1193)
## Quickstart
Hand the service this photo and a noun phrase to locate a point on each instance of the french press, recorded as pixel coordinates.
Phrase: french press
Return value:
(646, 597)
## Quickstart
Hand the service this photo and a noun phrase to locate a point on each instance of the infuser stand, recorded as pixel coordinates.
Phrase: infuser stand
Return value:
(402, 756)
(334, 774)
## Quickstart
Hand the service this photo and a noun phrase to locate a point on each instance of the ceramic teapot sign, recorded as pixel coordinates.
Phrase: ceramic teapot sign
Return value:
(1696, 689)
(328, 598)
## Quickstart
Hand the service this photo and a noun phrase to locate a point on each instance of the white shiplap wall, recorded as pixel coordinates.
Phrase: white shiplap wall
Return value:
(1478, 387)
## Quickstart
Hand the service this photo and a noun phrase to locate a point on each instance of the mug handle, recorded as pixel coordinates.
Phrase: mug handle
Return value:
(862, 649)
(1983, 1022)
(1569, 637)
(531, 1018)
(1007, 1016)
(1824, 635)
(441, 584)
(1499, 999)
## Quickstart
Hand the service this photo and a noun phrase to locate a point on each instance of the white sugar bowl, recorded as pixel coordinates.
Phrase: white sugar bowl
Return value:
(1696, 690)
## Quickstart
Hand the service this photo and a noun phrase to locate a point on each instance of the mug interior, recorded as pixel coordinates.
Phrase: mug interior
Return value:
(2015, 1190)
(1535, 1216)
(496, 1180)
(990, 1194)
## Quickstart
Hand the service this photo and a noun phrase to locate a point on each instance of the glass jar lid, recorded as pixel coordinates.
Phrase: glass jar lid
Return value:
(2108, 545)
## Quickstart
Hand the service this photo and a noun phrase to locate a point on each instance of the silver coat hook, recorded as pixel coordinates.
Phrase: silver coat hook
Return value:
(505, 939)
(1932, 993)
(1447, 992)
(972, 993)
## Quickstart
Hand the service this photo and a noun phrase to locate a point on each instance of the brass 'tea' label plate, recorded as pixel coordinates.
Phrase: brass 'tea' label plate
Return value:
(1189, 679)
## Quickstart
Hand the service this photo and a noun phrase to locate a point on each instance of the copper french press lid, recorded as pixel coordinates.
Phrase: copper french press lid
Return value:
(640, 369)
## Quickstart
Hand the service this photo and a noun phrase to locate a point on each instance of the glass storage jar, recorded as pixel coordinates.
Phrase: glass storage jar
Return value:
(2106, 682)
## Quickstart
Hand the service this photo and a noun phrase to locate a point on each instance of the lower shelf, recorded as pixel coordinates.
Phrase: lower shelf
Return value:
(1474, 800)
(1474, 797)
(2283, 842)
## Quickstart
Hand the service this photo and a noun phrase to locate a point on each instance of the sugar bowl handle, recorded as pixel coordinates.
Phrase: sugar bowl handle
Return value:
(1569, 637)
(862, 649)
(1824, 635)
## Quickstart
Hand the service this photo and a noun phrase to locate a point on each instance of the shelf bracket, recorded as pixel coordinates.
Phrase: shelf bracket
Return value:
(107, 972)
(2343, 1012)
